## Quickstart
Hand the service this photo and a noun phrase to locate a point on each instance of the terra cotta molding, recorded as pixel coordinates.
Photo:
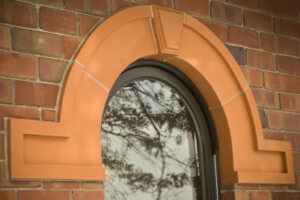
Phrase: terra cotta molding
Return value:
(70, 148)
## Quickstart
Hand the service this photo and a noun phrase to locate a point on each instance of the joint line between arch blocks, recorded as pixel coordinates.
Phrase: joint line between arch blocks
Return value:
(232, 98)
(152, 29)
(93, 78)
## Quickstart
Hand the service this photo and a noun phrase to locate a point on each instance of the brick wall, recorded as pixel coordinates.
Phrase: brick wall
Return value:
(38, 37)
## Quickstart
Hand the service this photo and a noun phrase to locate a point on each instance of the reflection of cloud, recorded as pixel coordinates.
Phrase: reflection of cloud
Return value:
(148, 143)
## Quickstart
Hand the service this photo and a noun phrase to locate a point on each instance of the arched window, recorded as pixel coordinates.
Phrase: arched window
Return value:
(158, 139)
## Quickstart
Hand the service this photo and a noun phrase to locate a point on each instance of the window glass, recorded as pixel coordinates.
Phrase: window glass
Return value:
(149, 146)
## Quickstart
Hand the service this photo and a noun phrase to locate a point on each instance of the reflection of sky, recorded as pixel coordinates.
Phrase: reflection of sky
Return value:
(159, 99)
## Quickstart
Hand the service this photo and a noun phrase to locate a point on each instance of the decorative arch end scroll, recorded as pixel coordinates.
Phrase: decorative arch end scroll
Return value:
(70, 148)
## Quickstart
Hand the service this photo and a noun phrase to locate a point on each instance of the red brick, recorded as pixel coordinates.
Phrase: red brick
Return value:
(15, 184)
(88, 195)
(48, 115)
(7, 194)
(296, 186)
(267, 42)
(75, 4)
(226, 13)
(243, 36)
(70, 45)
(290, 102)
(61, 185)
(273, 135)
(92, 185)
(286, 195)
(56, 3)
(288, 46)
(47, 44)
(99, 7)
(238, 53)
(119, 4)
(272, 187)
(296, 159)
(37, 42)
(196, 7)
(2, 154)
(167, 3)
(241, 195)
(258, 21)
(263, 118)
(220, 30)
(294, 139)
(6, 91)
(284, 121)
(90, 6)
(227, 195)
(36, 94)
(243, 3)
(4, 37)
(243, 186)
(18, 65)
(258, 195)
(288, 8)
(86, 23)
(286, 27)
(254, 77)
(18, 13)
(43, 195)
(288, 64)
(282, 82)
(266, 99)
(52, 70)
(261, 60)
(58, 21)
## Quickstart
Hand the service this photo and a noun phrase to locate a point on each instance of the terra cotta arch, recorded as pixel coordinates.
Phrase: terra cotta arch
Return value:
(70, 148)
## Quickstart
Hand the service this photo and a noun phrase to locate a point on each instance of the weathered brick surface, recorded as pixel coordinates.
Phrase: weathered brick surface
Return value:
(167, 3)
(286, 195)
(247, 4)
(226, 13)
(294, 138)
(196, 7)
(52, 70)
(284, 121)
(267, 42)
(260, 195)
(70, 45)
(6, 90)
(253, 76)
(45, 195)
(7, 194)
(4, 183)
(48, 115)
(36, 94)
(90, 195)
(287, 27)
(282, 82)
(37, 42)
(89, 6)
(273, 135)
(86, 22)
(4, 37)
(119, 4)
(18, 65)
(288, 64)
(18, 13)
(263, 118)
(266, 99)
(258, 21)
(261, 60)
(238, 53)
(58, 21)
(287, 8)
(290, 102)
(61, 185)
(219, 29)
(92, 185)
(243, 37)
(296, 159)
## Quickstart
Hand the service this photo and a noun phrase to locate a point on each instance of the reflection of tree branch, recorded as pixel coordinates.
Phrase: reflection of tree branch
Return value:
(159, 139)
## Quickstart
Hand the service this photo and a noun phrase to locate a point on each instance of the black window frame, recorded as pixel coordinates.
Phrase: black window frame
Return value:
(206, 137)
